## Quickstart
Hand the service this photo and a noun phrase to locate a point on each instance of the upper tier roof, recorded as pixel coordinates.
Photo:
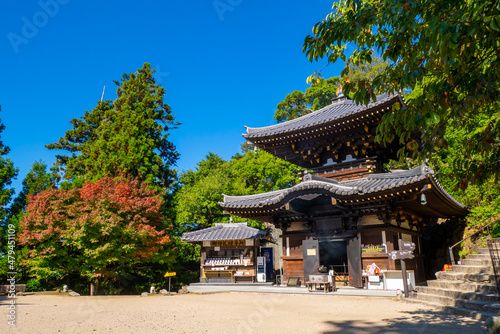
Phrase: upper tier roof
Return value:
(230, 231)
(330, 134)
(339, 109)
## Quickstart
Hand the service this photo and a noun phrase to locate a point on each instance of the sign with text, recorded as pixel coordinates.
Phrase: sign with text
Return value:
(170, 274)
(406, 245)
(238, 242)
(379, 249)
(401, 255)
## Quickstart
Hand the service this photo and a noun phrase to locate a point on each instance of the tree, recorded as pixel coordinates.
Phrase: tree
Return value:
(262, 172)
(105, 229)
(37, 180)
(323, 91)
(7, 173)
(197, 200)
(447, 49)
(127, 136)
(299, 103)
(250, 173)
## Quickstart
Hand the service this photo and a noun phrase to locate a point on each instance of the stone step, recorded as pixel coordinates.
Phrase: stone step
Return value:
(476, 262)
(479, 315)
(479, 257)
(482, 306)
(473, 269)
(474, 296)
(480, 250)
(463, 286)
(465, 277)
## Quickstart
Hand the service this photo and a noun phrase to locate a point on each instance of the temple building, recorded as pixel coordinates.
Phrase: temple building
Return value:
(348, 211)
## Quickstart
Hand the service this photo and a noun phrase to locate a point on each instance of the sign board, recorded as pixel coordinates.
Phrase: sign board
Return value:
(311, 252)
(447, 267)
(406, 245)
(170, 274)
(401, 255)
(293, 281)
(379, 249)
(238, 242)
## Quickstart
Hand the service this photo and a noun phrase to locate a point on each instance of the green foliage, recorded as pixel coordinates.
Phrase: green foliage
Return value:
(263, 172)
(37, 180)
(297, 103)
(367, 72)
(127, 136)
(250, 173)
(483, 200)
(448, 49)
(197, 200)
(102, 231)
(7, 173)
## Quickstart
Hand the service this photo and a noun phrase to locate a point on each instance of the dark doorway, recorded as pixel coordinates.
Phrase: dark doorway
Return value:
(333, 255)
(267, 252)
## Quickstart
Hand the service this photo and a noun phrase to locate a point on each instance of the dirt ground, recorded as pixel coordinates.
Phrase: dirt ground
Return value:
(228, 313)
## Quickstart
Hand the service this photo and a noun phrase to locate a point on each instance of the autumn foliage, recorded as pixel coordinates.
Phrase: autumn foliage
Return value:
(98, 231)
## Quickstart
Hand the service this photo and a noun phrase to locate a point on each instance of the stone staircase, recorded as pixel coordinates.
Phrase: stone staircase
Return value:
(469, 290)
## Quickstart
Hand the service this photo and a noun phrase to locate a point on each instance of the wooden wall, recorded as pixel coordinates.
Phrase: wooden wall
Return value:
(293, 265)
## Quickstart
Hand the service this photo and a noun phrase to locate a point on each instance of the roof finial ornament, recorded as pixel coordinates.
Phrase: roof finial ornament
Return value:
(307, 176)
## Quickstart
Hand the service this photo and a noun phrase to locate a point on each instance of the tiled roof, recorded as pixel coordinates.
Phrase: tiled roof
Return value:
(339, 109)
(373, 183)
(230, 231)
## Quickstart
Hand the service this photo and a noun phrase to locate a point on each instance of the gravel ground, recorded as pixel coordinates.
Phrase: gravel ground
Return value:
(234, 312)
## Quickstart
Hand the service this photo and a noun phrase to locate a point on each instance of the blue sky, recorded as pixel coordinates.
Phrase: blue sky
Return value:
(224, 64)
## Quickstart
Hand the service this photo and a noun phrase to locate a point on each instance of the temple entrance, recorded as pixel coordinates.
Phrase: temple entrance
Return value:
(333, 256)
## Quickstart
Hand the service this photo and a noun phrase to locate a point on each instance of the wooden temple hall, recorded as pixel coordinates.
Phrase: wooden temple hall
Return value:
(347, 207)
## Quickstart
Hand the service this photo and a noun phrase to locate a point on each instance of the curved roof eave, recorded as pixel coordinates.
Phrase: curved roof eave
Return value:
(332, 112)
(373, 183)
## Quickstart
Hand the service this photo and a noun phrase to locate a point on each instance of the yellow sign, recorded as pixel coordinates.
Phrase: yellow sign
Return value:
(239, 242)
(373, 249)
(170, 274)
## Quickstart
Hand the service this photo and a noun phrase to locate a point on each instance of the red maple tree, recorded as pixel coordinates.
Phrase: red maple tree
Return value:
(102, 229)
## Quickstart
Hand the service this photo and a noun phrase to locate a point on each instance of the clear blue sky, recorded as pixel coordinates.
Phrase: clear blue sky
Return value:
(224, 64)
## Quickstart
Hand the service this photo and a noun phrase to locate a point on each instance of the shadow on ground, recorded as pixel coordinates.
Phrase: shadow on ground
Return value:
(415, 322)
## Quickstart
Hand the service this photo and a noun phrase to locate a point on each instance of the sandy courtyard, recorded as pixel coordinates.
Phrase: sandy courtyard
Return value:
(228, 313)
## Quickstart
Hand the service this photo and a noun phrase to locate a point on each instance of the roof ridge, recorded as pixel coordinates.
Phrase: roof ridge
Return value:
(288, 125)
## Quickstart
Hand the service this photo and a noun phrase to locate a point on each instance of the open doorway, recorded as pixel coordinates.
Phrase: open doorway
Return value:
(333, 256)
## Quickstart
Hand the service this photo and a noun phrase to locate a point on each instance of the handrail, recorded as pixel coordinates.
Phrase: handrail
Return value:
(451, 248)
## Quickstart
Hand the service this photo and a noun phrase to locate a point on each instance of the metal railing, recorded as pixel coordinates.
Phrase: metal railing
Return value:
(480, 230)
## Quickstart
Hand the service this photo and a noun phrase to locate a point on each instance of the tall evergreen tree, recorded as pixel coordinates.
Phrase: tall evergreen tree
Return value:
(127, 136)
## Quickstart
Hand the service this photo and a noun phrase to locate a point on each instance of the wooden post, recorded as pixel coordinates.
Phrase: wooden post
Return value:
(91, 289)
(405, 281)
